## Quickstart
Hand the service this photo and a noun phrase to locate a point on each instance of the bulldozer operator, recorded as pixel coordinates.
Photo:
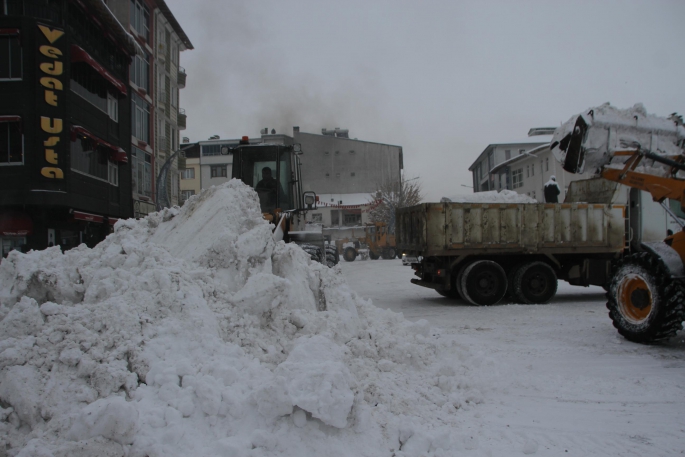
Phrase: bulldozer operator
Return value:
(266, 189)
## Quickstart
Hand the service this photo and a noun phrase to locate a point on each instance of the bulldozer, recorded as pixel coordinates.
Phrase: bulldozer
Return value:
(646, 293)
(374, 237)
(274, 171)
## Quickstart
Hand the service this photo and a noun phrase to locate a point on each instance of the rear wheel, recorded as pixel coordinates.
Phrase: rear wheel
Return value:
(332, 257)
(534, 282)
(483, 282)
(349, 254)
(389, 253)
(373, 255)
(313, 251)
(645, 304)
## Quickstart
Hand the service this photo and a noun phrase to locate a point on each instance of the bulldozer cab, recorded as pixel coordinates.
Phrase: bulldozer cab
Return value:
(272, 170)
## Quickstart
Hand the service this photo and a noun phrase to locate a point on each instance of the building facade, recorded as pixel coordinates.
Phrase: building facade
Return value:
(65, 123)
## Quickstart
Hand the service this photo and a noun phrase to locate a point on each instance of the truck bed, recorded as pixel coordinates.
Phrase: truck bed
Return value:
(455, 229)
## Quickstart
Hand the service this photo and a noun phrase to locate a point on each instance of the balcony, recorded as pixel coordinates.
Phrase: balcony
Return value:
(181, 119)
(181, 77)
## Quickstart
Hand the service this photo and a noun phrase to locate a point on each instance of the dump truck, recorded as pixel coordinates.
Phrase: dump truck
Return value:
(482, 252)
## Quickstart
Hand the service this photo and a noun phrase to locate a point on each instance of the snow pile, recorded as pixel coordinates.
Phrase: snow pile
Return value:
(611, 129)
(192, 332)
(492, 196)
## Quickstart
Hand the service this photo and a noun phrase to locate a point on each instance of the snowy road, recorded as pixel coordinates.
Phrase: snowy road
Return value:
(556, 379)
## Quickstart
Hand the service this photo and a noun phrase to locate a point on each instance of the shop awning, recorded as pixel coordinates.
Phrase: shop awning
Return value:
(9, 31)
(10, 118)
(79, 55)
(81, 216)
(15, 223)
(116, 153)
(112, 220)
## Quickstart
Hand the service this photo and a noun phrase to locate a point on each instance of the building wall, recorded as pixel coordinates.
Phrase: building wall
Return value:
(194, 183)
(492, 156)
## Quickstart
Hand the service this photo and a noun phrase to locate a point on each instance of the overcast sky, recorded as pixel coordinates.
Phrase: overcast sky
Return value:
(442, 79)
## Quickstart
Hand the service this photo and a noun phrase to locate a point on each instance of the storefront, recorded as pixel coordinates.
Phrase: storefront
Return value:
(15, 227)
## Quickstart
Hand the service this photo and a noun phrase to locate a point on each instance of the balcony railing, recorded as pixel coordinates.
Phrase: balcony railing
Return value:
(181, 119)
(181, 77)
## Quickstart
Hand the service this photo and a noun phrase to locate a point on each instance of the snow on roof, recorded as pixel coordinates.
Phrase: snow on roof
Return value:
(192, 332)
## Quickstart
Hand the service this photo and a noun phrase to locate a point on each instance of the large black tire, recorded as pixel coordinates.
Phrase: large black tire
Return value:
(313, 251)
(511, 274)
(389, 253)
(645, 304)
(534, 283)
(457, 279)
(332, 257)
(373, 255)
(483, 283)
(349, 254)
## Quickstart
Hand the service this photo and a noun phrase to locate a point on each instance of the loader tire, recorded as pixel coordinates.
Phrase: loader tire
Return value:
(534, 283)
(332, 257)
(349, 254)
(313, 251)
(373, 255)
(483, 283)
(389, 254)
(645, 304)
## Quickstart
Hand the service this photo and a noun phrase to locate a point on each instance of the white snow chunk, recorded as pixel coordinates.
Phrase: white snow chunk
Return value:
(113, 418)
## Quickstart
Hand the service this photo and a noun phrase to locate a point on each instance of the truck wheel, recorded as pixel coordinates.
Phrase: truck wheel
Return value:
(373, 255)
(645, 304)
(511, 274)
(483, 282)
(534, 282)
(349, 254)
(389, 254)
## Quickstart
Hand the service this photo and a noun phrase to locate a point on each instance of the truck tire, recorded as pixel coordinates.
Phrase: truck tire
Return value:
(313, 251)
(534, 283)
(332, 257)
(645, 304)
(373, 255)
(483, 283)
(389, 253)
(349, 254)
(511, 274)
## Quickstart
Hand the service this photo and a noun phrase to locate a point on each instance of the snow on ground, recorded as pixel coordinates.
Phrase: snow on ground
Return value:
(555, 379)
(192, 332)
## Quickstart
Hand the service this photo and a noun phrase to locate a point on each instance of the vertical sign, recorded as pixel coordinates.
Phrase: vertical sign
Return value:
(52, 102)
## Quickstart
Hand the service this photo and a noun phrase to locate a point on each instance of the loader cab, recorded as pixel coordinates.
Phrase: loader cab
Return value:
(273, 170)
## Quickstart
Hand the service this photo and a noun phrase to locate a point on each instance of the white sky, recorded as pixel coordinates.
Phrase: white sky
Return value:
(443, 79)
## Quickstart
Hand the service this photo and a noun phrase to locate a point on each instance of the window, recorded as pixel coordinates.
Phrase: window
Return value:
(91, 159)
(507, 154)
(140, 118)
(113, 174)
(142, 171)
(317, 217)
(140, 18)
(113, 107)
(533, 194)
(213, 149)
(11, 143)
(10, 57)
(90, 86)
(352, 219)
(532, 169)
(547, 164)
(517, 178)
(186, 194)
(140, 71)
(218, 171)
(188, 173)
(527, 171)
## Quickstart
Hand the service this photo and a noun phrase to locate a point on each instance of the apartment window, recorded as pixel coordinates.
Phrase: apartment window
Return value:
(11, 142)
(142, 171)
(213, 149)
(140, 71)
(532, 169)
(10, 57)
(186, 194)
(218, 171)
(140, 18)
(527, 171)
(113, 176)
(547, 164)
(113, 107)
(517, 178)
(91, 86)
(352, 219)
(188, 173)
(533, 194)
(317, 217)
(140, 118)
(507, 154)
(89, 158)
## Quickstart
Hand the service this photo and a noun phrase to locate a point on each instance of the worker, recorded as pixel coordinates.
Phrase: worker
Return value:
(266, 189)
(552, 190)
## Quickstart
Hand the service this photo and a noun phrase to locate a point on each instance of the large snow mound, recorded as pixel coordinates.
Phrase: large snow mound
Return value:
(611, 129)
(192, 332)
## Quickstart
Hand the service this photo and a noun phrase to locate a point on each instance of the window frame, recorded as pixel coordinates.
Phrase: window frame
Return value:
(186, 172)
(18, 130)
(10, 37)
(222, 174)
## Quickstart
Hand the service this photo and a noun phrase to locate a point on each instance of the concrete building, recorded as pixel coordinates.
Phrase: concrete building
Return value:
(155, 79)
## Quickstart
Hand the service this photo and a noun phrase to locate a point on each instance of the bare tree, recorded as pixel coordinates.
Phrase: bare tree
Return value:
(392, 195)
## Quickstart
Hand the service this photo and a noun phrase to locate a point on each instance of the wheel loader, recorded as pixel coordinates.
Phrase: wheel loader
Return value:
(374, 237)
(274, 171)
(646, 294)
